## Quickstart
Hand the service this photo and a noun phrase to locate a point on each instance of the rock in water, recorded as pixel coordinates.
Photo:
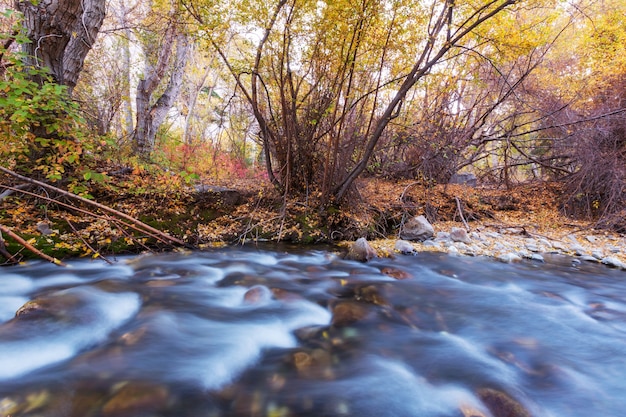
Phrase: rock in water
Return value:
(501, 404)
(404, 247)
(458, 234)
(417, 228)
(361, 251)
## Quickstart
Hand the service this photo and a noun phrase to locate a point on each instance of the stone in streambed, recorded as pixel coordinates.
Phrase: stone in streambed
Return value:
(501, 404)
(418, 228)
(136, 398)
(257, 294)
(347, 312)
(361, 251)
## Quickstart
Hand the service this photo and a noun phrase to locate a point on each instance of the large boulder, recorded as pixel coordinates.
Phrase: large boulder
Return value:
(418, 228)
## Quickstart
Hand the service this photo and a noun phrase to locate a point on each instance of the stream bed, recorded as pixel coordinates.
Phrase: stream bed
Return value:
(283, 333)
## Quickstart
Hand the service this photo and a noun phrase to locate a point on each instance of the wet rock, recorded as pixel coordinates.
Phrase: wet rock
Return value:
(316, 363)
(501, 404)
(458, 234)
(347, 312)
(361, 251)
(597, 254)
(56, 306)
(396, 273)
(418, 228)
(404, 247)
(136, 398)
(371, 294)
(257, 294)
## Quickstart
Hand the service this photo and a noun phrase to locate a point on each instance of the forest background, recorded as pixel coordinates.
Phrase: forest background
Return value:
(147, 106)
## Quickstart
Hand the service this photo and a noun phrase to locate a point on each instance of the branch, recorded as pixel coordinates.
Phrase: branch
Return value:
(30, 247)
(165, 236)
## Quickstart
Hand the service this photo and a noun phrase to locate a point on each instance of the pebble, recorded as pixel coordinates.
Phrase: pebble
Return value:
(532, 247)
(591, 238)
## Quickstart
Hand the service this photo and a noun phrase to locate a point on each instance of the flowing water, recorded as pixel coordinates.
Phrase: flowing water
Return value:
(248, 332)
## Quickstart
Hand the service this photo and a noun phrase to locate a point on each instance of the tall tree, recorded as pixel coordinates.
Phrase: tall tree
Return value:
(153, 105)
(61, 33)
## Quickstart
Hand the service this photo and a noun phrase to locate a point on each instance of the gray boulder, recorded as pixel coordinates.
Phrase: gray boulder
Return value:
(361, 251)
(417, 228)
(459, 234)
(404, 247)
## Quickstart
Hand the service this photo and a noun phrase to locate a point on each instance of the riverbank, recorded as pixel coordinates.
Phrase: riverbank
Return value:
(510, 225)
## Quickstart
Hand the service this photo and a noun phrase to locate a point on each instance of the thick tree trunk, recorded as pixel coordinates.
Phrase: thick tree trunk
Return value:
(61, 32)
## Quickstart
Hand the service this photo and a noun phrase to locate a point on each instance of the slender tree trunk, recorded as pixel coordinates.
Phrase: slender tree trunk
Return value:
(62, 32)
(151, 116)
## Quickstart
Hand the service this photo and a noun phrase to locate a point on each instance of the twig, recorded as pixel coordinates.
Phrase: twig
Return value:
(4, 252)
(30, 247)
(86, 243)
(458, 206)
(406, 189)
(11, 190)
(141, 224)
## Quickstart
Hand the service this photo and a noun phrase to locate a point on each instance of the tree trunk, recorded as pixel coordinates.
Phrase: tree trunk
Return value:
(61, 32)
(151, 116)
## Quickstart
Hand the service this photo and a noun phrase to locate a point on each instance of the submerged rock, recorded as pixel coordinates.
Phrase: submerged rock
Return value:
(347, 312)
(136, 398)
(361, 251)
(418, 228)
(501, 404)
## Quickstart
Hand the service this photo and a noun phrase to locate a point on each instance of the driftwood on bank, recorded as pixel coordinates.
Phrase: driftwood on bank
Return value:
(112, 214)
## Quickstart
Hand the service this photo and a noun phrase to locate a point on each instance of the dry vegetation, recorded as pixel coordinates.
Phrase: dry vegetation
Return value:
(251, 211)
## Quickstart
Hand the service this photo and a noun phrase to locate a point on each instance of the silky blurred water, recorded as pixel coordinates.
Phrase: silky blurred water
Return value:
(249, 332)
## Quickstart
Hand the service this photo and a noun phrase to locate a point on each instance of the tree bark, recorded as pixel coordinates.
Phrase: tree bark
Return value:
(61, 32)
(151, 116)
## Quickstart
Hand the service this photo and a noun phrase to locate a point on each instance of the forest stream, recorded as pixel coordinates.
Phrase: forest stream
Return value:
(289, 332)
